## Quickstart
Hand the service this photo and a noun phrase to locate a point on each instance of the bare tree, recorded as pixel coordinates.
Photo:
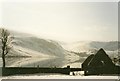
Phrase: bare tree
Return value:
(5, 43)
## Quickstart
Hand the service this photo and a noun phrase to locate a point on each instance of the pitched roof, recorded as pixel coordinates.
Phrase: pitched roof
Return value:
(98, 60)
(101, 59)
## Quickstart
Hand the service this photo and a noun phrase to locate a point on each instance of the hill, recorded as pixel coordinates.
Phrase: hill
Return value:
(91, 47)
(83, 46)
(28, 45)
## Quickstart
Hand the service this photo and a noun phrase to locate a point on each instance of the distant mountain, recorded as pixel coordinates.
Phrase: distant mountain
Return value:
(108, 46)
(84, 46)
(91, 47)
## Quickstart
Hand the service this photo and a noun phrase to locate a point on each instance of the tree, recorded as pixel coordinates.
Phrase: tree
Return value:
(5, 43)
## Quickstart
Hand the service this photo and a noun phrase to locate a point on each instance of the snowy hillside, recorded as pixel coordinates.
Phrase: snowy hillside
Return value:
(47, 47)
(27, 45)
(83, 46)
(90, 47)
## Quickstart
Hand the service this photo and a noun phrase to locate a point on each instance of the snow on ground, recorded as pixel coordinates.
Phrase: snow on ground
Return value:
(58, 76)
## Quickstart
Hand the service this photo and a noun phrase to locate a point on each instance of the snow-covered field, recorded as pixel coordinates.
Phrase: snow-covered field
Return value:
(58, 76)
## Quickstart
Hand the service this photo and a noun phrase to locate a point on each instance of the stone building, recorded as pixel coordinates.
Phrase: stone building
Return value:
(100, 63)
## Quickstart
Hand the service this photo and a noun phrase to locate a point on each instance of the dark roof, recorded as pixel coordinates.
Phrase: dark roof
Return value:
(86, 62)
(98, 60)
(88, 59)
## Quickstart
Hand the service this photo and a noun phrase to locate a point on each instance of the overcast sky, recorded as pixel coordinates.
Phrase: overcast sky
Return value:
(68, 21)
